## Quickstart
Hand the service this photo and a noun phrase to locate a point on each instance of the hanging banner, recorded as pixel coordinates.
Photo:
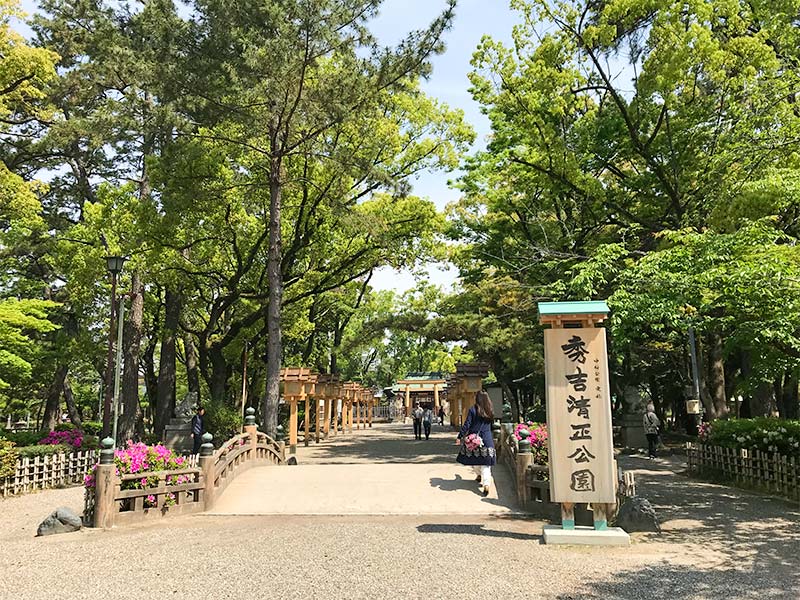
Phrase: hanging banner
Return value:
(579, 416)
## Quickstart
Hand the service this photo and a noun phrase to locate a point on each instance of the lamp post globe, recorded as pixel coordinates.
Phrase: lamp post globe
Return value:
(114, 264)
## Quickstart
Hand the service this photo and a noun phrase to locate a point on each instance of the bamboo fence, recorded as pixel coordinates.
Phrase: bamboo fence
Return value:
(773, 473)
(40, 472)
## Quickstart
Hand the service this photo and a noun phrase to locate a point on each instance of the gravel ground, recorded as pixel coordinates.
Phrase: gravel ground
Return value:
(718, 543)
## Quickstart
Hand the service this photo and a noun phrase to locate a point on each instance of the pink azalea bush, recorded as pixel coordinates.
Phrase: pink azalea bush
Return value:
(704, 431)
(141, 458)
(71, 437)
(537, 438)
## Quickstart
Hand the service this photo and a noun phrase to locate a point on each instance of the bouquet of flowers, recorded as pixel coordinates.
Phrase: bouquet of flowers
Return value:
(473, 441)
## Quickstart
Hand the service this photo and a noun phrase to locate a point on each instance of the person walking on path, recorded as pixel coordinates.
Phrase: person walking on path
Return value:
(651, 425)
(427, 419)
(197, 429)
(441, 415)
(417, 414)
(477, 447)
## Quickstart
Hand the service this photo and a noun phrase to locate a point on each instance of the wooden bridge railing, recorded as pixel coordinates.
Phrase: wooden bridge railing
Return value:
(182, 491)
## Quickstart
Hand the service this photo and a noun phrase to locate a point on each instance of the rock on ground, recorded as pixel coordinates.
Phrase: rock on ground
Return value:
(61, 520)
(637, 514)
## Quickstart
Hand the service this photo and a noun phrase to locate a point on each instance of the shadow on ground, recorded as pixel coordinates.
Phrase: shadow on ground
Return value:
(452, 485)
(687, 582)
(391, 443)
(479, 530)
(739, 535)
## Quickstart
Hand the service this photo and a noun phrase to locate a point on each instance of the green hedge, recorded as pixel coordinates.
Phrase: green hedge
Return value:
(24, 438)
(763, 434)
(43, 450)
(92, 427)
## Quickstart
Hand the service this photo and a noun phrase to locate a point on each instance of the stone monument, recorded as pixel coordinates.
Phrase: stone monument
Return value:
(178, 432)
(634, 402)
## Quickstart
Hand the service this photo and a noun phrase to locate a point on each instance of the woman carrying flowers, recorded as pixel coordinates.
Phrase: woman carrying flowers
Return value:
(475, 438)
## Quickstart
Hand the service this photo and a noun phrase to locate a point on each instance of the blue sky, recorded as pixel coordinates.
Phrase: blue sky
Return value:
(448, 83)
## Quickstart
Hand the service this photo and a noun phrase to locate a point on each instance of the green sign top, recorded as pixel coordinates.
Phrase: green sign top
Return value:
(591, 307)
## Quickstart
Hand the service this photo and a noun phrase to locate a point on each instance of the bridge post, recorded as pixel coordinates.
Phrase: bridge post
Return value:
(105, 487)
(251, 429)
(524, 460)
(206, 464)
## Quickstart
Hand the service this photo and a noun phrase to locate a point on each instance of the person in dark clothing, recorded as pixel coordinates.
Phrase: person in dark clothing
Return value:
(417, 414)
(427, 419)
(441, 415)
(479, 423)
(198, 429)
(651, 424)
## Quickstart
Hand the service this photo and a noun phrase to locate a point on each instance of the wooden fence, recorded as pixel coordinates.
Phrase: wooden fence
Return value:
(40, 472)
(773, 473)
(180, 492)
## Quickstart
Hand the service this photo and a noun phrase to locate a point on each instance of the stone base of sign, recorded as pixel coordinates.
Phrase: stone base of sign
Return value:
(586, 536)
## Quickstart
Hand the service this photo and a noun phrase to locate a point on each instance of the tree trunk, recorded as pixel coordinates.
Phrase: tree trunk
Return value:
(165, 390)
(219, 374)
(513, 399)
(192, 374)
(337, 341)
(69, 399)
(52, 409)
(150, 378)
(269, 411)
(716, 376)
(132, 339)
(788, 398)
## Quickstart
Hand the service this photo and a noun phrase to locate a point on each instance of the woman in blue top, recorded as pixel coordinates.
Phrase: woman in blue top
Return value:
(479, 421)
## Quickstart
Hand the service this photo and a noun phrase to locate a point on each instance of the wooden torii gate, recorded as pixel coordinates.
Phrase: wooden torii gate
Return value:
(301, 385)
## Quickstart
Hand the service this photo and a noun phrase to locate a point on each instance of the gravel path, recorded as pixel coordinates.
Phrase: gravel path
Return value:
(718, 543)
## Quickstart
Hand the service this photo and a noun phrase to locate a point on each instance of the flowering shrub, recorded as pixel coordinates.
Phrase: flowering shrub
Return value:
(704, 431)
(141, 458)
(8, 458)
(763, 434)
(69, 437)
(538, 440)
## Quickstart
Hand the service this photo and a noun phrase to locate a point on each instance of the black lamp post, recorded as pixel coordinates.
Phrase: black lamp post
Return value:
(114, 266)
